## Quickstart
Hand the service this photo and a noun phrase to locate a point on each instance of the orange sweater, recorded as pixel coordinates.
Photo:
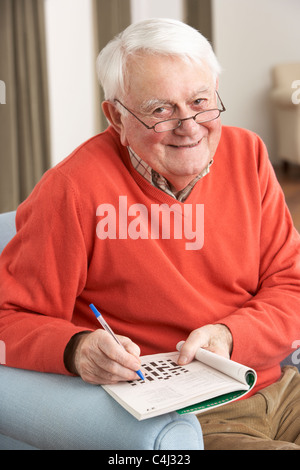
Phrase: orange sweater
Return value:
(85, 235)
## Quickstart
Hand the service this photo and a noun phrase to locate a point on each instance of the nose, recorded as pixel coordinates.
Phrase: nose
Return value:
(188, 127)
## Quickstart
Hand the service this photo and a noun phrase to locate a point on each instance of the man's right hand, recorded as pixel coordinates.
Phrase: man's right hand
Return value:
(99, 359)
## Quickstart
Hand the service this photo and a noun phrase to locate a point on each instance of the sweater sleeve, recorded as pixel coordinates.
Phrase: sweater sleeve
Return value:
(42, 271)
(266, 326)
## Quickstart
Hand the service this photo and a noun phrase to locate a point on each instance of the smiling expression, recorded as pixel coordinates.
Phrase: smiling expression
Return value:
(160, 88)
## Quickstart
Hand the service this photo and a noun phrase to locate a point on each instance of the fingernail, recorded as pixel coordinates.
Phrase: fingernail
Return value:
(182, 360)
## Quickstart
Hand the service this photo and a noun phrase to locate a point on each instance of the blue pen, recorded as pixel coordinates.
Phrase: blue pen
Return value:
(109, 330)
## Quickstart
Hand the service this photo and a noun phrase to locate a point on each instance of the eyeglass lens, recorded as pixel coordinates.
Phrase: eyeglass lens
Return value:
(171, 124)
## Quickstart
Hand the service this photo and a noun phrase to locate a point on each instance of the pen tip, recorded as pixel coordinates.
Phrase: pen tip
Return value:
(139, 373)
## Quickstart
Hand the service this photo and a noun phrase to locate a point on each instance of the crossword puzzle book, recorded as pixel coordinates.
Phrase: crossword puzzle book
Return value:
(209, 381)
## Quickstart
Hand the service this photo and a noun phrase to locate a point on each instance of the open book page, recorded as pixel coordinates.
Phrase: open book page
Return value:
(244, 375)
(227, 366)
(168, 386)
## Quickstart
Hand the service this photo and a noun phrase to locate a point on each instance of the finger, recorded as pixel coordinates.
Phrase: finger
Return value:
(97, 368)
(218, 348)
(219, 340)
(130, 346)
(102, 360)
(215, 338)
(197, 339)
(127, 356)
(108, 372)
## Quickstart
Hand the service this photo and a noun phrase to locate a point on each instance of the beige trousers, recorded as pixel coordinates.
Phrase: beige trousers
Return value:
(269, 420)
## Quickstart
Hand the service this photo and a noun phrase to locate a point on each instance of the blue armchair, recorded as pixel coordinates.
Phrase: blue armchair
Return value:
(49, 411)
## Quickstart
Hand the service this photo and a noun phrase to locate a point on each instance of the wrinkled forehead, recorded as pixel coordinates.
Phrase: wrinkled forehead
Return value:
(166, 78)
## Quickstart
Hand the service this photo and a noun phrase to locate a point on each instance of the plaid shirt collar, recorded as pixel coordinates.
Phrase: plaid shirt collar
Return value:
(160, 181)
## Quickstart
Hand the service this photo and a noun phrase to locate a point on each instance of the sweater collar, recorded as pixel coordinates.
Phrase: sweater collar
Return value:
(160, 181)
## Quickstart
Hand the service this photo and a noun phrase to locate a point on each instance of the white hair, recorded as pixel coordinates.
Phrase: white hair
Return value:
(152, 36)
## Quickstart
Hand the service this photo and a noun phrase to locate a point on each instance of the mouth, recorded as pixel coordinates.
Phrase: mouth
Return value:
(190, 146)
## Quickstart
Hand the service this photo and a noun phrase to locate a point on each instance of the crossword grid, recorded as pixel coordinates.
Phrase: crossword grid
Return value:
(159, 370)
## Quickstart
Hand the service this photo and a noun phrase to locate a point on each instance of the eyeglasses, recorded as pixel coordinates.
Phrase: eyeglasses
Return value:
(171, 124)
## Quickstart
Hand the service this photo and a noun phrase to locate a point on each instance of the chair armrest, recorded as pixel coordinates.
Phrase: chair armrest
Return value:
(7, 228)
(50, 411)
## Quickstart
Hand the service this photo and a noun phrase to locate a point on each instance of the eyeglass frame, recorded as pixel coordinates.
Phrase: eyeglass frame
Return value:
(180, 121)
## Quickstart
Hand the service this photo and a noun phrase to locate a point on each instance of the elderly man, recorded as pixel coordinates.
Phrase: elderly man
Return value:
(175, 228)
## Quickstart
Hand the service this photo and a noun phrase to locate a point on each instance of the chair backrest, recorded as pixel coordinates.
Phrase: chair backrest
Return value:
(7, 228)
(283, 75)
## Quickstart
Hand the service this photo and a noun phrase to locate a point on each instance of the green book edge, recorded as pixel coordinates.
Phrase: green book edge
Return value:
(220, 400)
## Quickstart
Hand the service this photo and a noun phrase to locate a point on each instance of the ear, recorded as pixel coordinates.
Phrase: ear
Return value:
(112, 114)
(115, 118)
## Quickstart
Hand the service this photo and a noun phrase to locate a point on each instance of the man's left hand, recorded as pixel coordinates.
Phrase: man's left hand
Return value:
(216, 338)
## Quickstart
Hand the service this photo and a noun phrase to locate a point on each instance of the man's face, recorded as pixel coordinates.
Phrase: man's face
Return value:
(160, 88)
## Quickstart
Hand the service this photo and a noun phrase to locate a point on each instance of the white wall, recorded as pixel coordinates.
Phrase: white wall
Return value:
(250, 37)
(71, 71)
(71, 67)
(143, 9)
